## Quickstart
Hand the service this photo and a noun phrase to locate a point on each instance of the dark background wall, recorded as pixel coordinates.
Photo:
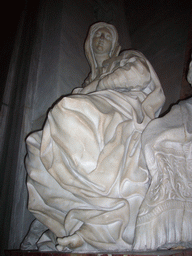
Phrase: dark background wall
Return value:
(159, 29)
(9, 20)
(16, 49)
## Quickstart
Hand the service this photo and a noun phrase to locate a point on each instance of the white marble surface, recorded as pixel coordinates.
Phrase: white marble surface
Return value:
(165, 216)
(93, 177)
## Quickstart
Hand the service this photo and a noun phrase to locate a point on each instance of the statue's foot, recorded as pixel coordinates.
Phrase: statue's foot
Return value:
(71, 242)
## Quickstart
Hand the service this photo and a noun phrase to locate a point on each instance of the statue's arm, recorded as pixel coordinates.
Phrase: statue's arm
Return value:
(131, 73)
(153, 103)
(89, 88)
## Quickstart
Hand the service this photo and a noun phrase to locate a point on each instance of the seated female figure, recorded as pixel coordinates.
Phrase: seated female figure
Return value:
(87, 175)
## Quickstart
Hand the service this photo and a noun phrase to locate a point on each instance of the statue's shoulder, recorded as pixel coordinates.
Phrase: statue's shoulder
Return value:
(127, 54)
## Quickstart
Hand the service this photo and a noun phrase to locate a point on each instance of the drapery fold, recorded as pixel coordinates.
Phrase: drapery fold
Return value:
(90, 165)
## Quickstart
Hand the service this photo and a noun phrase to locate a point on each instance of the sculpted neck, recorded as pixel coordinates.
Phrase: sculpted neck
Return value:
(100, 58)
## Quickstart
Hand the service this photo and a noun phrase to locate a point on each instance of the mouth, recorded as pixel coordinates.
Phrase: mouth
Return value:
(100, 44)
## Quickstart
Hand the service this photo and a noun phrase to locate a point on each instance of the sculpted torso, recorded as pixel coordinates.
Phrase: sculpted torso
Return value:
(88, 176)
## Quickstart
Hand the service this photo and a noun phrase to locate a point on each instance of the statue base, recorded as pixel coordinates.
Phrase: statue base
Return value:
(178, 252)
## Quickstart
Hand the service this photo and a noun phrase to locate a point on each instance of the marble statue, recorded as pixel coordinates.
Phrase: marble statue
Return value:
(104, 174)
(165, 216)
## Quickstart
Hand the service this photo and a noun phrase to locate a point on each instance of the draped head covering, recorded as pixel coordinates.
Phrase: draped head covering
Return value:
(115, 49)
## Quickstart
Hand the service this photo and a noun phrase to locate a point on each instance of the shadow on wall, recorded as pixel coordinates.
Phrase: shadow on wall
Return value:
(159, 29)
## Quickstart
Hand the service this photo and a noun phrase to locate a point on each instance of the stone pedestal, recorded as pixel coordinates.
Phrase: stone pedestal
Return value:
(34, 253)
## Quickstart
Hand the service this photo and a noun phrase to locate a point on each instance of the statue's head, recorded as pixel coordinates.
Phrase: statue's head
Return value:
(102, 39)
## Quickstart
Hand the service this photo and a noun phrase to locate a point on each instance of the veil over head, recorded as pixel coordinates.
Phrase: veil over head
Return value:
(115, 49)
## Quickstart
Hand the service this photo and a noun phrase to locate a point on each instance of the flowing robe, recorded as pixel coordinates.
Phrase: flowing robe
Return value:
(165, 217)
(86, 171)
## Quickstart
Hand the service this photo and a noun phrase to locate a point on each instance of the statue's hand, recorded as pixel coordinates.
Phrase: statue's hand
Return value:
(71, 242)
(90, 88)
(149, 110)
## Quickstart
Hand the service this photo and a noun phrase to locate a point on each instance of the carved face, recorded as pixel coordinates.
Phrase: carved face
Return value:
(102, 41)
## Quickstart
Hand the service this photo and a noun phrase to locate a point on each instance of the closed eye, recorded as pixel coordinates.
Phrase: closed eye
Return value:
(97, 34)
(108, 36)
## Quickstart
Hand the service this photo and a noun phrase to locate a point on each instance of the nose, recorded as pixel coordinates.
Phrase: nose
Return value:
(102, 36)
